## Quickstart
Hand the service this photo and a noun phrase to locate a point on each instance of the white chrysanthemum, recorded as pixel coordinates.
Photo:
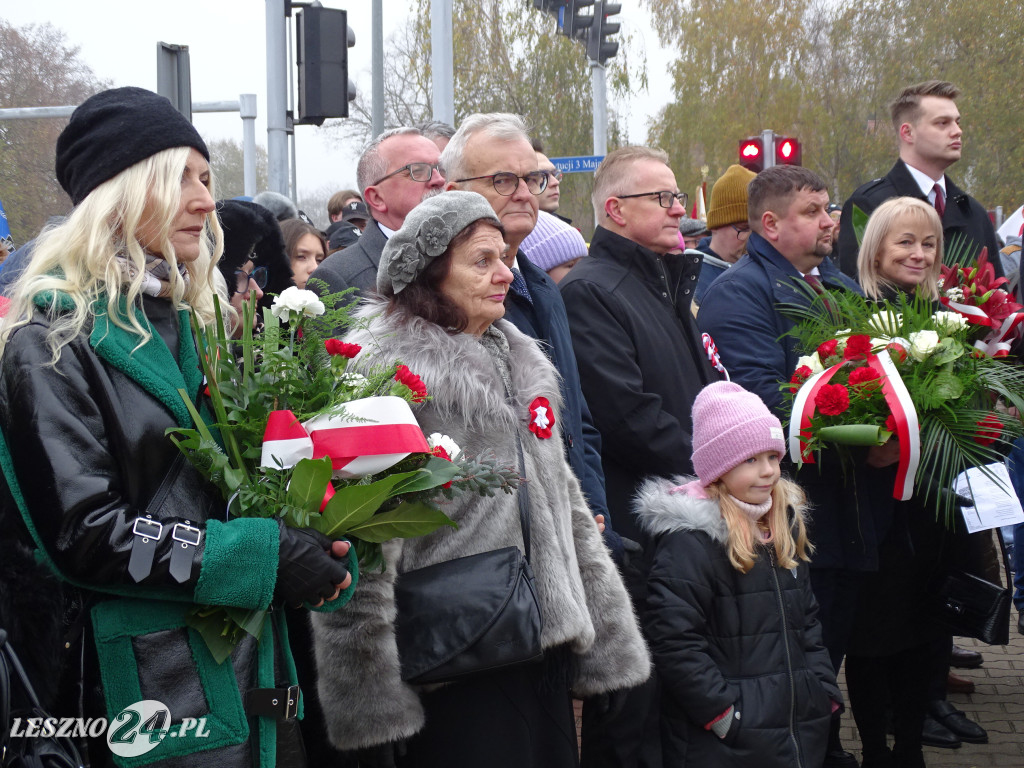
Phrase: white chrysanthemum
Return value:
(297, 301)
(949, 322)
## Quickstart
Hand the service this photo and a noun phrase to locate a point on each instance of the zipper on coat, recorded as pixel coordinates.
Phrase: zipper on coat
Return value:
(789, 659)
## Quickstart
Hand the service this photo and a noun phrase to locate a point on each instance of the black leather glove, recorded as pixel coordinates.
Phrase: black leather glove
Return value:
(381, 755)
(306, 572)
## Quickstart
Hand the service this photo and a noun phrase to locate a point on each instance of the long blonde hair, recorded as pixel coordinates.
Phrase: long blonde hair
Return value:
(785, 523)
(76, 259)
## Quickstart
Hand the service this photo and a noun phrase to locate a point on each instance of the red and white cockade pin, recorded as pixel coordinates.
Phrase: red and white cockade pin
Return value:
(542, 418)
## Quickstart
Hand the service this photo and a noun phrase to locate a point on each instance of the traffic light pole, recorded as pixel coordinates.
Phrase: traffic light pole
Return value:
(277, 98)
(442, 67)
(377, 67)
(600, 98)
(768, 140)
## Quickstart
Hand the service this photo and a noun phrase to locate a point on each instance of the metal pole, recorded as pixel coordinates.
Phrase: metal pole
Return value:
(442, 65)
(292, 184)
(600, 108)
(247, 109)
(377, 83)
(768, 141)
(277, 95)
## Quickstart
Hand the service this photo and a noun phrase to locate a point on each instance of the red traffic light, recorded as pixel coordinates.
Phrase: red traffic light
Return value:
(752, 153)
(787, 151)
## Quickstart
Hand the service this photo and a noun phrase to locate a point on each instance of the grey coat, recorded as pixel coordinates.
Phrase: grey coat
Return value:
(583, 601)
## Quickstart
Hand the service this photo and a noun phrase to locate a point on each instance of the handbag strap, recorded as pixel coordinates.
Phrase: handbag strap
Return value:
(524, 497)
(10, 659)
(523, 492)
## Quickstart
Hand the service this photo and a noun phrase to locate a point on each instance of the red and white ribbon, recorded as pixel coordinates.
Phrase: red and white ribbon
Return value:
(900, 404)
(713, 356)
(362, 437)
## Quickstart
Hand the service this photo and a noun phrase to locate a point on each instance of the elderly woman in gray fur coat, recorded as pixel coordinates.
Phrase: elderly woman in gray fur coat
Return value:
(443, 284)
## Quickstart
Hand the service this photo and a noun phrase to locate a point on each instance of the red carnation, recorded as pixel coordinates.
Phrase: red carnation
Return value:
(801, 374)
(828, 349)
(339, 347)
(989, 430)
(857, 347)
(832, 399)
(441, 453)
(419, 390)
(865, 379)
(890, 423)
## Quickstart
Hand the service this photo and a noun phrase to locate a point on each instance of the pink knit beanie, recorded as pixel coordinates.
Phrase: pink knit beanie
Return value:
(553, 242)
(730, 425)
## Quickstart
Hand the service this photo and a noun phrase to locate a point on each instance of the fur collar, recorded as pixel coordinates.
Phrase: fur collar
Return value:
(660, 510)
(468, 399)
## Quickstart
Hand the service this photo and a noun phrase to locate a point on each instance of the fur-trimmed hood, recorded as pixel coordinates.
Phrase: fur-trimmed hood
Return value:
(663, 505)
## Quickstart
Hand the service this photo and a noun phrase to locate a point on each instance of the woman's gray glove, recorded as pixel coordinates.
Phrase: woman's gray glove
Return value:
(306, 572)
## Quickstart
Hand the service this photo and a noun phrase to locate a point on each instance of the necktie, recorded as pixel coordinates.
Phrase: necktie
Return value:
(940, 201)
(815, 282)
(519, 285)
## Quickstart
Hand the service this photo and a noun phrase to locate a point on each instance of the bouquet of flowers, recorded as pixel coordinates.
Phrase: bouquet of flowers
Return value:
(977, 294)
(295, 435)
(877, 369)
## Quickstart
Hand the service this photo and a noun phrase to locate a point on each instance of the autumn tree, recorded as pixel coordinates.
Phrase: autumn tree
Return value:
(37, 69)
(227, 160)
(508, 57)
(826, 72)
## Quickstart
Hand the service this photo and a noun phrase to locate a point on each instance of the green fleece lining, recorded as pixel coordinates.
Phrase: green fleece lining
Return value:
(115, 623)
(265, 679)
(240, 563)
(151, 365)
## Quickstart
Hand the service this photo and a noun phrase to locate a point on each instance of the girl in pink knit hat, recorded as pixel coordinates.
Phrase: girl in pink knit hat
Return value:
(730, 616)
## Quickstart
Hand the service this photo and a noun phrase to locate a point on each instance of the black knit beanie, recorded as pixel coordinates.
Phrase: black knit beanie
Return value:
(114, 130)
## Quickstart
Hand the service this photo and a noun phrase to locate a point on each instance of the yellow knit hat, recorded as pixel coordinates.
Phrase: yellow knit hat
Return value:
(729, 197)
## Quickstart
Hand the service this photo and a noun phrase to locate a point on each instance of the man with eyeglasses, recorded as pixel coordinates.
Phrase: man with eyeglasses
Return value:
(397, 171)
(491, 154)
(642, 363)
(727, 220)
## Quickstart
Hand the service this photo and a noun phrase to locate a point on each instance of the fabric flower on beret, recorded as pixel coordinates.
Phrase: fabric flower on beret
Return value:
(436, 233)
(407, 263)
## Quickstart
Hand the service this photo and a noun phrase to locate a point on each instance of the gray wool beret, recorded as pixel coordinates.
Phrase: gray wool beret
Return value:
(426, 234)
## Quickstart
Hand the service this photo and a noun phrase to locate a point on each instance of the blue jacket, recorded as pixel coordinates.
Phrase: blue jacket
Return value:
(740, 312)
(852, 509)
(546, 321)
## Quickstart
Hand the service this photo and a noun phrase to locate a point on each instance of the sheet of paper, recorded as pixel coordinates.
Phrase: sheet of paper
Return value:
(995, 503)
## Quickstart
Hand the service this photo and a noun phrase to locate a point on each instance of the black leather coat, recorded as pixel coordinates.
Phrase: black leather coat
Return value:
(85, 454)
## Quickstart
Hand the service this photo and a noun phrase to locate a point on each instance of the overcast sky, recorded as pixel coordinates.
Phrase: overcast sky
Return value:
(227, 41)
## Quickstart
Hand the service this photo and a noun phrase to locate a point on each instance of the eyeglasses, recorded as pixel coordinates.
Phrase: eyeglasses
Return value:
(665, 199)
(555, 174)
(506, 183)
(742, 230)
(421, 172)
(242, 278)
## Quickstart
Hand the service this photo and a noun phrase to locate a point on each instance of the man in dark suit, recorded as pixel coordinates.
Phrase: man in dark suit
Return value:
(395, 173)
(927, 125)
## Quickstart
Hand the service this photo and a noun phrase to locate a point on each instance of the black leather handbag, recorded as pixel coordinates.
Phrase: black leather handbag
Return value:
(973, 607)
(20, 751)
(470, 615)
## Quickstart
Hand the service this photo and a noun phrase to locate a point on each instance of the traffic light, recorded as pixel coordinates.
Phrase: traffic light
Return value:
(599, 48)
(752, 153)
(548, 6)
(787, 151)
(576, 24)
(323, 38)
